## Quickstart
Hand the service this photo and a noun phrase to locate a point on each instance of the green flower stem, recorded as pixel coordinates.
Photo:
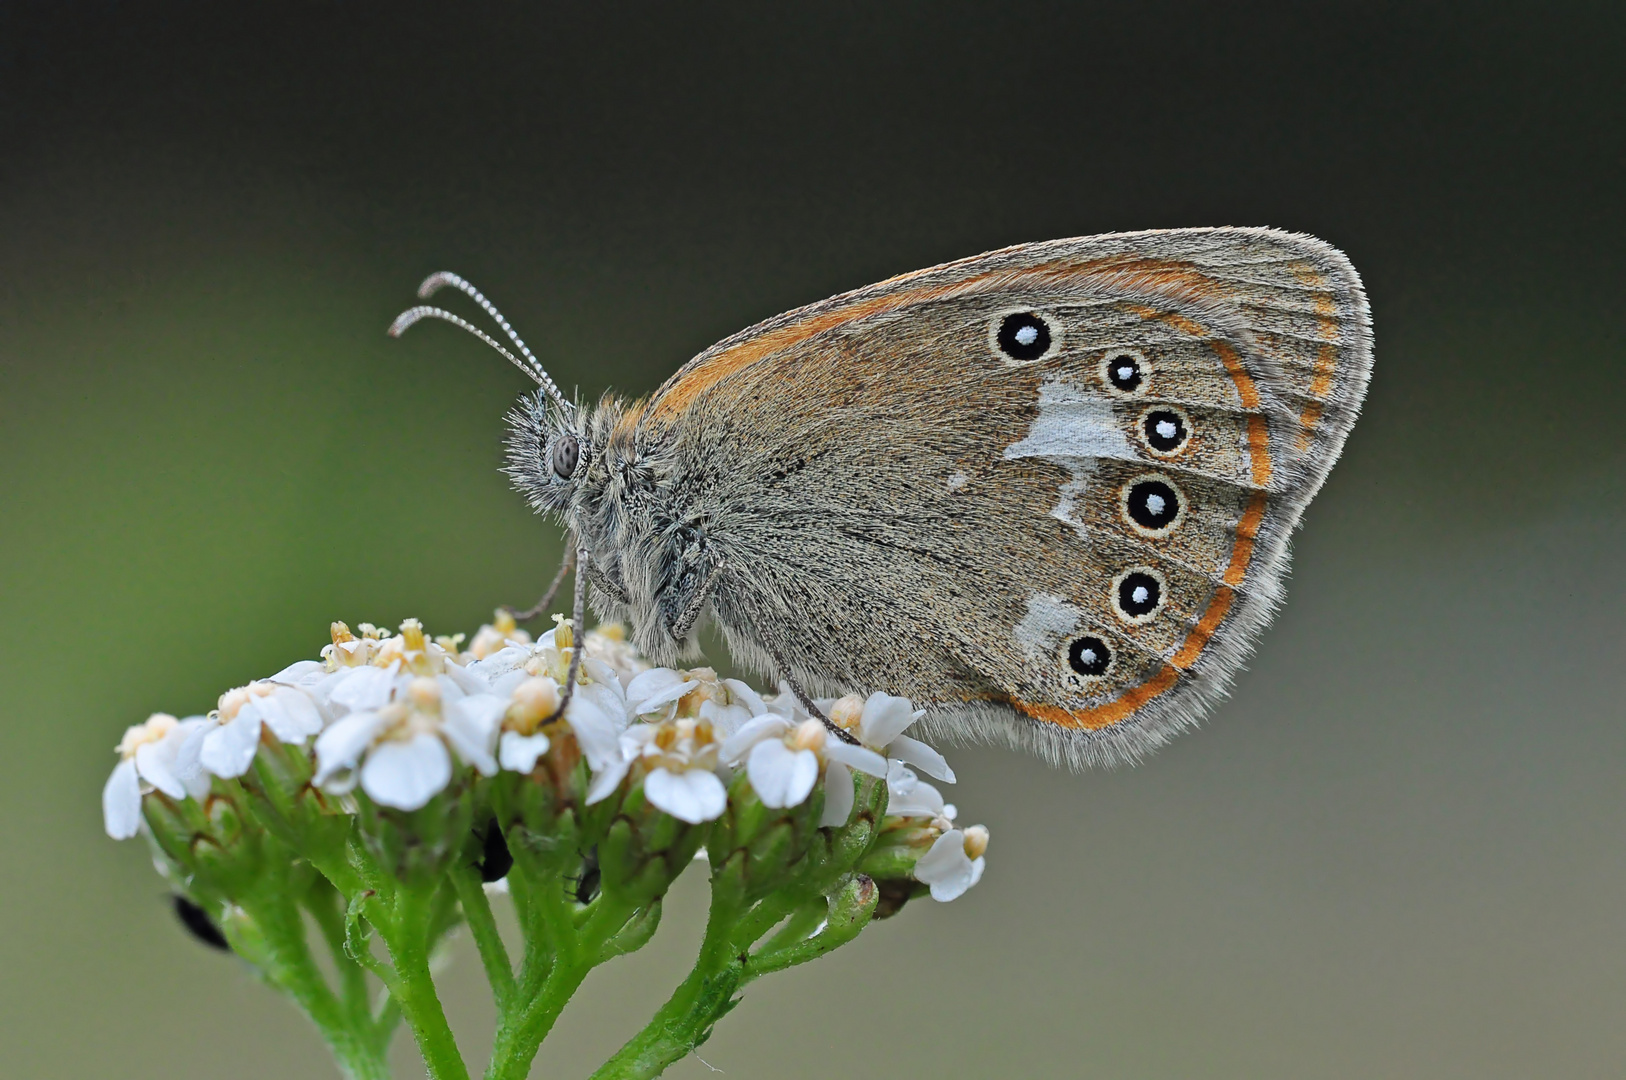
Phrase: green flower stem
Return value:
(483, 927)
(802, 922)
(531, 1016)
(849, 910)
(685, 1021)
(288, 965)
(409, 937)
(324, 903)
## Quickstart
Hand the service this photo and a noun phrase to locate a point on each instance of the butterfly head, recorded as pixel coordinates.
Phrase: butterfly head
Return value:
(551, 450)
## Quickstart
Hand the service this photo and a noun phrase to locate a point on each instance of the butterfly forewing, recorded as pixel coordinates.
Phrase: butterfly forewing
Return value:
(1045, 491)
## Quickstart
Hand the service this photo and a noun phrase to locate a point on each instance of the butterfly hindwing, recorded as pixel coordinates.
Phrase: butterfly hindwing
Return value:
(1046, 491)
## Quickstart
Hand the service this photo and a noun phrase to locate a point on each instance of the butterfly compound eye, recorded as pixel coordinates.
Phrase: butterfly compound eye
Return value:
(1023, 336)
(566, 454)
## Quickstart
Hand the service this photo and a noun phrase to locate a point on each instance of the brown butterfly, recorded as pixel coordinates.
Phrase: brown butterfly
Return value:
(1046, 492)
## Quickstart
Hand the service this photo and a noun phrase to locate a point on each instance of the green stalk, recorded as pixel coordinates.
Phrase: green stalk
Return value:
(290, 967)
(325, 905)
(532, 1017)
(685, 1021)
(483, 927)
(409, 941)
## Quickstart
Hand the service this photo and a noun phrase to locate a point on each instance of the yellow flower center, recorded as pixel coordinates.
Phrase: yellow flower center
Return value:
(138, 735)
(534, 701)
(847, 712)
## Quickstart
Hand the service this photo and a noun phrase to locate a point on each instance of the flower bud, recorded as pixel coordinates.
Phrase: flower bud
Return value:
(976, 841)
(847, 712)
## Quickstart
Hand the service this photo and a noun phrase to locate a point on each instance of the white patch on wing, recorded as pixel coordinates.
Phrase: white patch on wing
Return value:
(1072, 492)
(1050, 621)
(958, 481)
(1072, 423)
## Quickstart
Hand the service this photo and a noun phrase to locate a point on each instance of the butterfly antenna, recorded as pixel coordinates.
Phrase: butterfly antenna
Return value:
(531, 366)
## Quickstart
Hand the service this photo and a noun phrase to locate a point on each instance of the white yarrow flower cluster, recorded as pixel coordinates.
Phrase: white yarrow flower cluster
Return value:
(399, 716)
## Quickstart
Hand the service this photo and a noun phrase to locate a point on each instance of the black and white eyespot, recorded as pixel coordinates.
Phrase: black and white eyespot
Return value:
(1024, 336)
(567, 454)
(1138, 595)
(1165, 429)
(1089, 657)
(1152, 504)
(1126, 372)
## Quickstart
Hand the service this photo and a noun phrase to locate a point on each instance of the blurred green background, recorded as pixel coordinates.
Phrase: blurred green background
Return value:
(1396, 851)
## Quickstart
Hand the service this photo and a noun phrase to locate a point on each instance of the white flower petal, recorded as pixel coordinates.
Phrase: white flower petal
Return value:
(694, 795)
(466, 681)
(518, 753)
(290, 714)
(861, 758)
(653, 689)
(781, 776)
(503, 686)
(724, 719)
(121, 802)
(301, 673)
(406, 775)
(838, 796)
(785, 704)
(229, 749)
(340, 747)
(753, 731)
(470, 725)
(922, 757)
(154, 765)
(910, 796)
(188, 765)
(597, 734)
(604, 675)
(500, 663)
(612, 702)
(744, 695)
(884, 718)
(364, 688)
(946, 868)
(607, 779)
(188, 735)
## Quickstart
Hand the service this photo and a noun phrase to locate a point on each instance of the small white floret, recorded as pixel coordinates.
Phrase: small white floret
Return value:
(693, 795)
(406, 775)
(947, 869)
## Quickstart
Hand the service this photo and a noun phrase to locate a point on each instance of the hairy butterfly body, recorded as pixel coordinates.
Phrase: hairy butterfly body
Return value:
(1046, 492)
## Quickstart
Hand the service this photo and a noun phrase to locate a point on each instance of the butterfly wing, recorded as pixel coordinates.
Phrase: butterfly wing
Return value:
(1046, 491)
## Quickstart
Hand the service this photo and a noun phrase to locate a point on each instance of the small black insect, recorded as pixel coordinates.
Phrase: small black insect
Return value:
(198, 923)
(586, 884)
(495, 858)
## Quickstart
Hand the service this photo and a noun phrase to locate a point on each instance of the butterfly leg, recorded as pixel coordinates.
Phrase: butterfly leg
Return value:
(802, 696)
(547, 597)
(578, 640)
(681, 626)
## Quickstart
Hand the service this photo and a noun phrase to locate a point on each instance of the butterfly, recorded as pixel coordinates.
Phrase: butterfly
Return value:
(1045, 492)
